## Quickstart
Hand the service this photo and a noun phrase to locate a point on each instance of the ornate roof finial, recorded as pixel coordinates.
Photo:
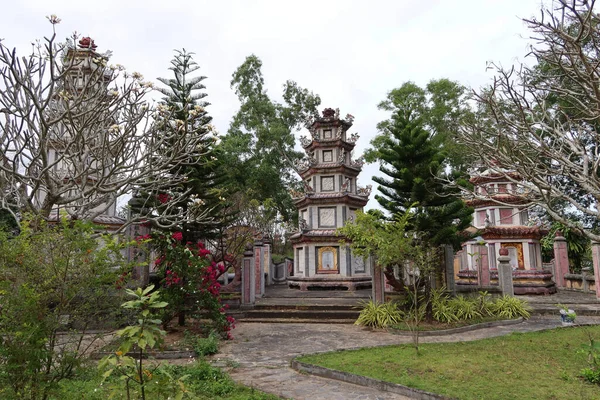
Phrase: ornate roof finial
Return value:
(328, 113)
(87, 43)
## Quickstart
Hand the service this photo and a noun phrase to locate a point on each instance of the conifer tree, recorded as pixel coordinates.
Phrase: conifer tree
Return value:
(185, 104)
(414, 165)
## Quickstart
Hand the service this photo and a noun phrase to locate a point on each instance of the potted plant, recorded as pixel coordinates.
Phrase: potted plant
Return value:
(567, 316)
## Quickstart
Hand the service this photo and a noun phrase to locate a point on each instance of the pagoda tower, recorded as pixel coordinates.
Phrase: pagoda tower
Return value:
(330, 197)
(501, 221)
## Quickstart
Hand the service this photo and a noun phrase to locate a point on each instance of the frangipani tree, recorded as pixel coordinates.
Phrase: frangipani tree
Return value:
(77, 132)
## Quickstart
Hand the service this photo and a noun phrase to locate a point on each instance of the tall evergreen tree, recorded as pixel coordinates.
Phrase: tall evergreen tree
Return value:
(184, 110)
(414, 166)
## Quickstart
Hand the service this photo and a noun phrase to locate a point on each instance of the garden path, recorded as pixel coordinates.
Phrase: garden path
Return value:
(262, 352)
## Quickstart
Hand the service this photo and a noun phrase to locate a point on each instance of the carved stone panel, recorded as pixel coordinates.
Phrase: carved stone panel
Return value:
(327, 156)
(327, 183)
(327, 217)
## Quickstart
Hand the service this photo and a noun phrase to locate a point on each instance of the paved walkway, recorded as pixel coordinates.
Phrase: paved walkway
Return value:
(264, 350)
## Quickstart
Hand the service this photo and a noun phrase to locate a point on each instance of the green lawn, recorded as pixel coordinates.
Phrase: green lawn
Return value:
(536, 365)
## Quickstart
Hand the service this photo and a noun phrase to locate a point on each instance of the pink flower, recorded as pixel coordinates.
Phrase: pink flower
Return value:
(177, 235)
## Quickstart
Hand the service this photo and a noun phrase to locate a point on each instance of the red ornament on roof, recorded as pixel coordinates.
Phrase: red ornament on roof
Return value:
(87, 43)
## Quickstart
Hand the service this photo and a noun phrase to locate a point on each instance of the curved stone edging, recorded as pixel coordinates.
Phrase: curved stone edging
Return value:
(467, 328)
(158, 355)
(365, 381)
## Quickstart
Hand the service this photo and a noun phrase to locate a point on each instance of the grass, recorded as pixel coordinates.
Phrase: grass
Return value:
(203, 381)
(536, 365)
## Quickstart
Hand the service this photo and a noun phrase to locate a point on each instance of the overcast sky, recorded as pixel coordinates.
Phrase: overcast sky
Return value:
(349, 52)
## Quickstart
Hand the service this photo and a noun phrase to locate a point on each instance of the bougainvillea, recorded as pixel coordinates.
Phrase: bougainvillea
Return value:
(189, 281)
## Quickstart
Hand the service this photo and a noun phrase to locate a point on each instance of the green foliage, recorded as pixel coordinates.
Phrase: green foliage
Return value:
(369, 235)
(592, 351)
(442, 309)
(189, 275)
(203, 346)
(202, 381)
(465, 308)
(379, 315)
(414, 172)
(145, 334)
(259, 145)
(510, 307)
(56, 283)
(441, 106)
(578, 246)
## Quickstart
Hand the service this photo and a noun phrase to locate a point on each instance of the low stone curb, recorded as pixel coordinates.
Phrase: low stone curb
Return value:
(159, 355)
(462, 329)
(364, 381)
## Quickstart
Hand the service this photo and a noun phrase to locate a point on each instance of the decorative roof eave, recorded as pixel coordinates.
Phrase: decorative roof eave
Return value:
(316, 235)
(345, 198)
(330, 122)
(326, 143)
(513, 232)
(496, 200)
(328, 168)
(495, 177)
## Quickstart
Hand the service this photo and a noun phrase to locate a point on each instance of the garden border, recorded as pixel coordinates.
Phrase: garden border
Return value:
(461, 329)
(365, 381)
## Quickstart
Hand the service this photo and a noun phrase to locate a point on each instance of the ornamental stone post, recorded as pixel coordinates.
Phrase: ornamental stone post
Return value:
(248, 279)
(483, 274)
(267, 264)
(561, 259)
(505, 278)
(259, 274)
(596, 262)
(378, 287)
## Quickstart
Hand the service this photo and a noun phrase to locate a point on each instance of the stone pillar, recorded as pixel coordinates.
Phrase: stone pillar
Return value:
(483, 275)
(596, 262)
(505, 278)
(378, 290)
(259, 282)
(248, 279)
(561, 259)
(268, 265)
(449, 268)
(141, 272)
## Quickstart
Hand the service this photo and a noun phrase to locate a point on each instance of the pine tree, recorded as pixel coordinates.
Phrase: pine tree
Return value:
(414, 166)
(201, 197)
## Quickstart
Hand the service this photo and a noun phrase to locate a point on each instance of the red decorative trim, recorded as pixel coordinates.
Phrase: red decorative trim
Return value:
(495, 177)
(515, 232)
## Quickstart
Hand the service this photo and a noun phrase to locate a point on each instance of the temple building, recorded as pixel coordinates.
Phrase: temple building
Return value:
(330, 197)
(501, 220)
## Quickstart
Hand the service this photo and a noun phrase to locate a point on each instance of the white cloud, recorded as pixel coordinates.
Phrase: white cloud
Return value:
(350, 52)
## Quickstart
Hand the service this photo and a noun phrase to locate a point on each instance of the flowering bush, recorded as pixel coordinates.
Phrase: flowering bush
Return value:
(189, 279)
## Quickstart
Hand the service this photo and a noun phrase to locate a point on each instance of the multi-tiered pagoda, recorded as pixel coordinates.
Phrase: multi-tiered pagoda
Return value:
(330, 197)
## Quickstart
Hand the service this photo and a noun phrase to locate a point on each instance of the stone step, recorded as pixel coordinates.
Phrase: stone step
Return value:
(327, 315)
(300, 320)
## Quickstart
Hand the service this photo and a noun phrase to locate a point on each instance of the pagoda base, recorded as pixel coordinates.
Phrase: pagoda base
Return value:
(329, 282)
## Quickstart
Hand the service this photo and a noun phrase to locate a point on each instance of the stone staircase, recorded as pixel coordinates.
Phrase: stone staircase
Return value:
(280, 304)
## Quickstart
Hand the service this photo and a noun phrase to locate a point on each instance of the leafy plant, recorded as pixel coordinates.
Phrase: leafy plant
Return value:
(442, 310)
(146, 334)
(485, 304)
(510, 307)
(203, 346)
(592, 350)
(56, 284)
(379, 315)
(465, 308)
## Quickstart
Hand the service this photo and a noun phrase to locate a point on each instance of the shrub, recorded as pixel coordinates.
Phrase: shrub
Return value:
(510, 307)
(56, 282)
(203, 346)
(465, 308)
(379, 315)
